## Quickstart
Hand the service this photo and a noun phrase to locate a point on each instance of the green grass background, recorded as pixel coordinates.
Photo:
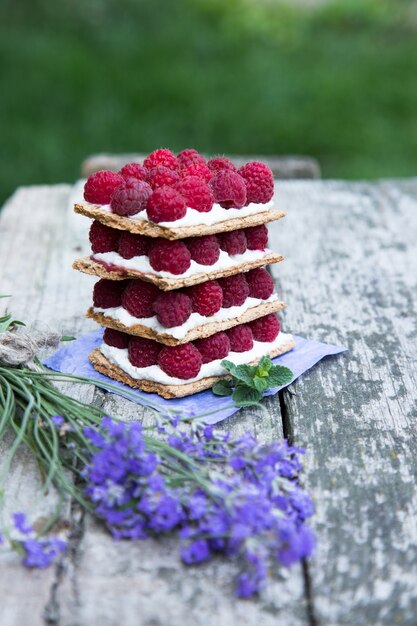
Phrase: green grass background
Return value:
(337, 82)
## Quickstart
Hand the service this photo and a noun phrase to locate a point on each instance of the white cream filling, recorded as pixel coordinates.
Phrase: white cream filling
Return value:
(121, 315)
(119, 357)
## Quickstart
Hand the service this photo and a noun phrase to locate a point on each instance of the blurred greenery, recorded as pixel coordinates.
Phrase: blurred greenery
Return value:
(335, 80)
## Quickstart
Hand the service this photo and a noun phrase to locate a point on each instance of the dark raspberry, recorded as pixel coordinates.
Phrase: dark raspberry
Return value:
(260, 283)
(115, 338)
(169, 256)
(162, 157)
(134, 170)
(108, 293)
(100, 186)
(166, 205)
(221, 163)
(138, 298)
(197, 169)
(131, 245)
(160, 176)
(240, 337)
(182, 361)
(206, 298)
(172, 308)
(265, 328)
(188, 156)
(196, 193)
(212, 348)
(229, 189)
(143, 352)
(257, 237)
(259, 182)
(130, 197)
(233, 242)
(235, 290)
(103, 238)
(204, 250)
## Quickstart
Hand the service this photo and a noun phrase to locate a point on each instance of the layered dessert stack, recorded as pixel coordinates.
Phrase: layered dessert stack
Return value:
(180, 246)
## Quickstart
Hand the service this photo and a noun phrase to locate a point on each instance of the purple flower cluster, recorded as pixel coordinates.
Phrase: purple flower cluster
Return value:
(38, 552)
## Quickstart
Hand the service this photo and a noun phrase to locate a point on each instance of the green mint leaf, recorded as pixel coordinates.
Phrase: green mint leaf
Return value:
(67, 338)
(222, 388)
(244, 373)
(264, 366)
(279, 376)
(260, 383)
(246, 396)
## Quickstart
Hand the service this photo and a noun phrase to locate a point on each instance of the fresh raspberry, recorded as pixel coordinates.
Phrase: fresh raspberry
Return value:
(229, 189)
(260, 283)
(160, 176)
(172, 308)
(182, 361)
(221, 163)
(134, 170)
(197, 169)
(138, 298)
(130, 197)
(212, 348)
(100, 186)
(235, 290)
(259, 182)
(131, 245)
(265, 328)
(115, 338)
(108, 293)
(233, 242)
(103, 238)
(240, 337)
(166, 205)
(257, 237)
(196, 192)
(206, 298)
(169, 256)
(162, 157)
(204, 250)
(143, 352)
(188, 156)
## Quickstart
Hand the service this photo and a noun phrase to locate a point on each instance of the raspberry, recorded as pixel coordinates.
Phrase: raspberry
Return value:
(166, 205)
(130, 197)
(134, 170)
(259, 182)
(265, 328)
(115, 338)
(206, 298)
(235, 290)
(143, 352)
(138, 298)
(229, 189)
(260, 283)
(204, 250)
(233, 242)
(221, 163)
(182, 361)
(169, 256)
(172, 308)
(103, 238)
(100, 186)
(257, 237)
(188, 156)
(160, 176)
(196, 193)
(108, 293)
(212, 348)
(131, 245)
(197, 169)
(162, 157)
(240, 337)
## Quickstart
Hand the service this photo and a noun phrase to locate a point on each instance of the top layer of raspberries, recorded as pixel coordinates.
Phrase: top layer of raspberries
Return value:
(166, 184)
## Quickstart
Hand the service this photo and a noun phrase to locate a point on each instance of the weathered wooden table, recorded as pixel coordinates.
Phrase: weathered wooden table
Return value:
(350, 277)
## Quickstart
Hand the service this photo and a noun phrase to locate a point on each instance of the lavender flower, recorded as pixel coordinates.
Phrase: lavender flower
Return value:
(38, 552)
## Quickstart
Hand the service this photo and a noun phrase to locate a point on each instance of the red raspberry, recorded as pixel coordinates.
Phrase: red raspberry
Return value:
(196, 193)
(221, 163)
(103, 238)
(166, 205)
(206, 298)
(169, 256)
(134, 170)
(160, 176)
(259, 182)
(215, 347)
(182, 361)
(100, 186)
(257, 237)
(130, 197)
(229, 189)
(260, 283)
(143, 352)
(265, 328)
(108, 293)
(235, 290)
(115, 338)
(197, 169)
(131, 245)
(172, 308)
(240, 337)
(204, 250)
(233, 242)
(162, 157)
(188, 156)
(138, 298)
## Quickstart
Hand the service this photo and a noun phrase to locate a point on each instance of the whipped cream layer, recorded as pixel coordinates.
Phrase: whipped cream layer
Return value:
(124, 317)
(119, 357)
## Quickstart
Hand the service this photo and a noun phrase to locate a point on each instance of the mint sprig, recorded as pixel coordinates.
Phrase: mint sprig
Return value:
(249, 382)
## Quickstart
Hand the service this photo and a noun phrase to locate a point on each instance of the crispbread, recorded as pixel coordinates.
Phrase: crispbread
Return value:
(104, 366)
(142, 227)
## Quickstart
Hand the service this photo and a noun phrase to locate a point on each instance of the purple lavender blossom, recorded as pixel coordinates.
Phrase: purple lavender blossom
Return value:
(57, 420)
